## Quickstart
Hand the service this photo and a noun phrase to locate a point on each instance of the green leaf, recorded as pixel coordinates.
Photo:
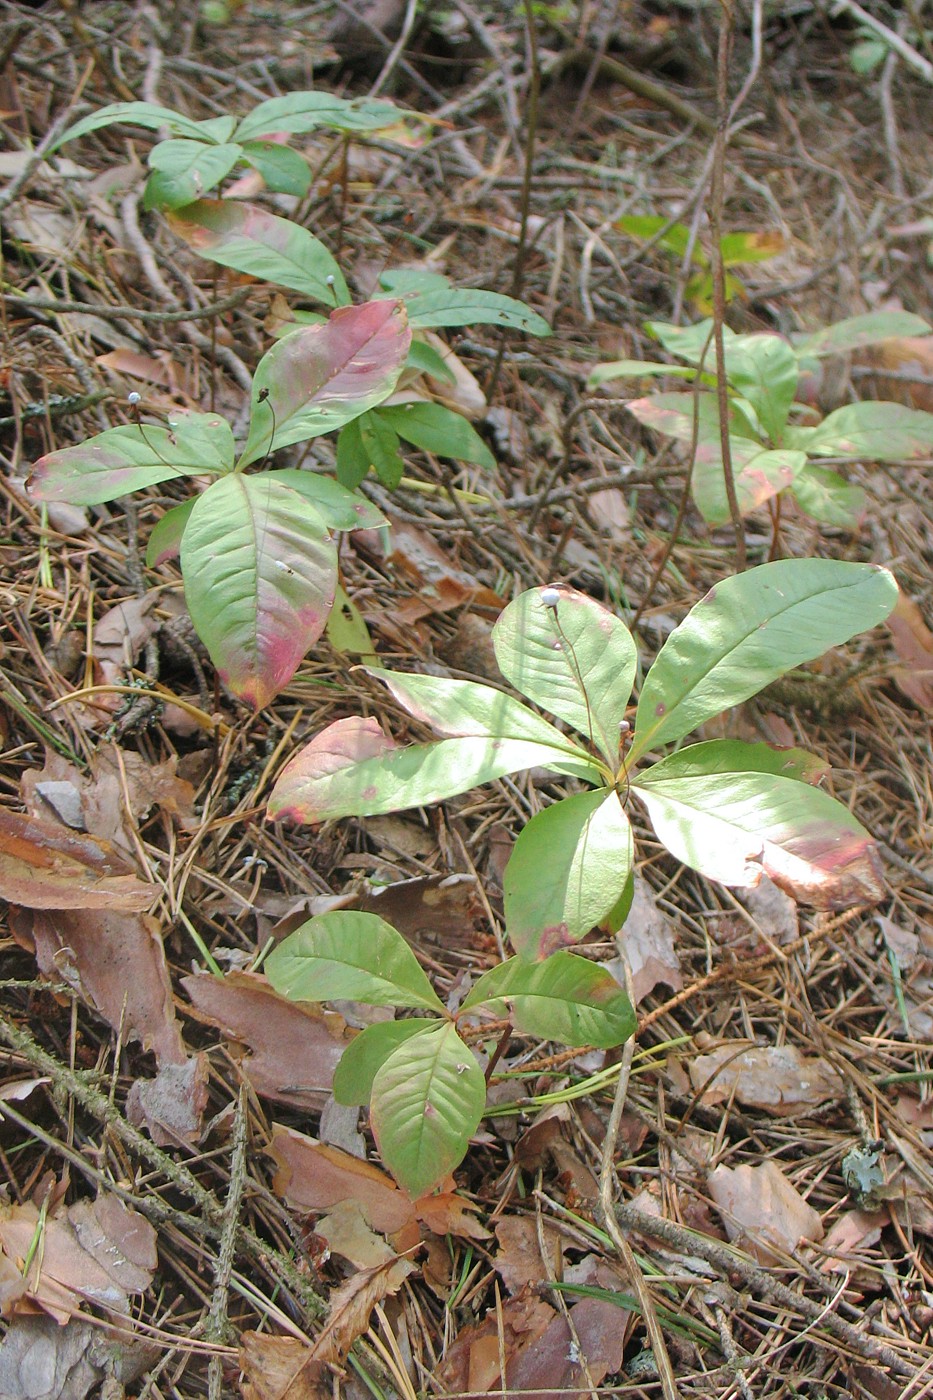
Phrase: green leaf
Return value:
(369, 442)
(339, 508)
(637, 369)
(427, 360)
(184, 170)
(855, 332)
(347, 631)
(829, 498)
(878, 432)
(309, 111)
(427, 1101)
(565, 998)
(367, 1053)
(350, 956)
(260, 570)
(566, 872)
(321, 377)
(764, 370)
(673, 414)
(735, 826)
(758, 476)
(352, 768)
(165, 540)
(144, 114)
(248, 239)
(576, 660)
(283, 170)
(466, 709)
(615, 919)
(434, 428)
(129, 458)
(750, 629)
(467, 307)
(676, 239)
(688, 342)
(412, 281)
(737, 249)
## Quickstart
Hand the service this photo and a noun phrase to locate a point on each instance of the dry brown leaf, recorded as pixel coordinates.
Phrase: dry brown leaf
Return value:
(345, 1229)
(172, 1105)
(518, 1261)
(446, 1213)
(351, 1305)
(648, 938)
(434, 911)
(760, 1207)
(314, 1177)
(471, 1365)
(43, 865)
(439, 583)
(778, 1078)
(913, 642)
(856, 1229)
(42, 1360)
(294, 1048)
(280, 1368)
(116, 963)
(774, 912)
(903, 355)
(99, 1252)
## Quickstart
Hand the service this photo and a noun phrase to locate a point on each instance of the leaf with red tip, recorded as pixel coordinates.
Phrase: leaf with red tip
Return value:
(260, 571)
(316, 379)
(130, 457)
(250, 240)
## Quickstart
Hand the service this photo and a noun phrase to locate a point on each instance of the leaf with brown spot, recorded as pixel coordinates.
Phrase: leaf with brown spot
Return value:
(294, 1048)
(43, 865)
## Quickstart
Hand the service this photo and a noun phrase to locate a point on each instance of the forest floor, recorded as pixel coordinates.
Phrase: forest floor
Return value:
(171, 1224)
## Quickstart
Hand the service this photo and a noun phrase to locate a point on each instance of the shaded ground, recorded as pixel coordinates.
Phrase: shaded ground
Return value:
(778, 1088)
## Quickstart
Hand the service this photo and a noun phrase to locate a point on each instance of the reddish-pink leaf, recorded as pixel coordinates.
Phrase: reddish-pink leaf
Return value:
(341, 745)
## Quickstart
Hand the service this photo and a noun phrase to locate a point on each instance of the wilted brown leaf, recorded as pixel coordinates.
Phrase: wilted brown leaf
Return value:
(294, 1048)
(438, 584)
(116, 963)
(351, 1305)
(43, 865)
(856, 1229)
(913, 642)
(518, 1261)
(778, 1078)
(314, 1177)
(97, 1251)
(172, 1105)
(760, 1207)
(44, 1360)
(648, 938)
(446, 1213)
(280, 1368)
(345, 1229)
(433, 911)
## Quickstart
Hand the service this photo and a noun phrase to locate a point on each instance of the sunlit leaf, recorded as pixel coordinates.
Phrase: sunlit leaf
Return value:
(250, 240)
(576, 659)
(144, 114)
(750, 629)
(434, 428)
(758, 476)
(321, 377)
(185, 170)
(353, 769)
(566, 872)
(283, 170)
(675, 239)
(878, 432)
(855, 332)
(260, 570)
(460, 709)
(736, 826)
(829, 498)
(740, 248)
(351, 956)
(427, 1101)
(347, 631)
(128, 458)
(565, 998)
(367, 1053)
(674, 414)
(309, 111)
(339, 508)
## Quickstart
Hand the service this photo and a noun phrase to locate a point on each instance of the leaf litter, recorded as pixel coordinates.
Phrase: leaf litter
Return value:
(772, 1042)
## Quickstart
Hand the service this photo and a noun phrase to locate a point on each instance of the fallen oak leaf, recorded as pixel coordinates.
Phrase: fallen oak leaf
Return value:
(44, 865)
(777, 1078)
